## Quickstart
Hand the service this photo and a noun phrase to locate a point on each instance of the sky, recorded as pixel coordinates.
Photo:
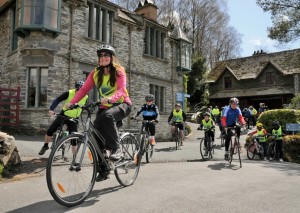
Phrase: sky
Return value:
(252, 22)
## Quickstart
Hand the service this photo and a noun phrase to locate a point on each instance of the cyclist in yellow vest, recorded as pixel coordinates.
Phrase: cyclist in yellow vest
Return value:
(177, 117)
(110, 80)
(215, 114)
(208, 123)
(74, 113)
(261, 133)
(277, 130)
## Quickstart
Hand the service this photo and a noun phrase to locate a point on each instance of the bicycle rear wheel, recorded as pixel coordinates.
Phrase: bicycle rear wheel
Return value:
(127, 169)
(251, 151)
(68, 182)
(149, 152)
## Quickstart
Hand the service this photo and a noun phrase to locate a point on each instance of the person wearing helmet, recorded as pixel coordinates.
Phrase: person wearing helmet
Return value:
(230, 115)
(177, 117)
(74, 113)
(208, 124)
(150, 113)
(278, 133)
(261, 133)
(109, 78)
(215, 114)
(262, 108)
(252, 117)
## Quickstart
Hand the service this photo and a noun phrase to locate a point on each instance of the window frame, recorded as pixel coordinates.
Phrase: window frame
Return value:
(159, 93)
(270, 78)
(101, 28)
(225, 82)
(37, 98)
(154, 42)
(23, 29)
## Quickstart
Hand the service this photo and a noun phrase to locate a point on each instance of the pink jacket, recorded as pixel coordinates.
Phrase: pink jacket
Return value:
(89, 83)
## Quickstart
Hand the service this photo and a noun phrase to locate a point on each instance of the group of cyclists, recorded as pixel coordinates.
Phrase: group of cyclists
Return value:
(109, 77)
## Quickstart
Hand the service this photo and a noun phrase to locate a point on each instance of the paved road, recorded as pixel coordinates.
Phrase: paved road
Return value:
(176, 182)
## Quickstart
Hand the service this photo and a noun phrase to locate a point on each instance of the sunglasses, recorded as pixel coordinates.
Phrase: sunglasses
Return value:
(104, 55)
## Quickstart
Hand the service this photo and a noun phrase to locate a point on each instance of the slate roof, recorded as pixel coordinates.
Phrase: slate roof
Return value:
(287, 62)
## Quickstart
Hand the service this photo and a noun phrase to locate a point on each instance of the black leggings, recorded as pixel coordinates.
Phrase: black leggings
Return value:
(72, 126)
(151, 128)
(105, 123)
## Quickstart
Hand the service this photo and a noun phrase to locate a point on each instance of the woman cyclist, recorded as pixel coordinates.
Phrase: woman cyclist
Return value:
(110, 80)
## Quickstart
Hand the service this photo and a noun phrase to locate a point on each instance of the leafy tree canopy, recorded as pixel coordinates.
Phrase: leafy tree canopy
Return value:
(285, 18)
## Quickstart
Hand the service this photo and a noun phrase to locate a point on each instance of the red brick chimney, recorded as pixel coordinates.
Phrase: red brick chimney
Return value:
(147, 9)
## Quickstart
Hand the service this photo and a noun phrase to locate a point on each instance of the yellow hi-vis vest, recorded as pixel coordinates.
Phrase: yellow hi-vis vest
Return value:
(278, 133)
(74, 113)
(106, 90)
(215, 111)
(177, 116)
(261, 136)
(207, 124)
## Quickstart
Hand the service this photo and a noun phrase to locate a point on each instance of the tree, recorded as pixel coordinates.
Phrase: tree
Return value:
(285, 18)
(295, 103)
(196, 81)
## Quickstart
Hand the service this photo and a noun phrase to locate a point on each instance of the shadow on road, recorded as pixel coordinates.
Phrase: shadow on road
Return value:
(220, 166)
(166, 149)
(53, 206)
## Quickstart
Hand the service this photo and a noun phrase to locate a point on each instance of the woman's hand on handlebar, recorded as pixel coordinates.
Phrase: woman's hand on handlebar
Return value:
(68, 105)
(51, 113)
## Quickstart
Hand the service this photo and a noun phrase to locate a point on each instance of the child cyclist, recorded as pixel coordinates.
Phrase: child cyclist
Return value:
(261, 133)
(208, 123)
(278, 132)
(150, 113)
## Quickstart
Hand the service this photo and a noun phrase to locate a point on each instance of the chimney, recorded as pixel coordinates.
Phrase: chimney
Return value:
(147, 9)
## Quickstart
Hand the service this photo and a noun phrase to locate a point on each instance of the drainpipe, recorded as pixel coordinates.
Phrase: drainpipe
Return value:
(72, 5)
(172, 68)
(129, 63)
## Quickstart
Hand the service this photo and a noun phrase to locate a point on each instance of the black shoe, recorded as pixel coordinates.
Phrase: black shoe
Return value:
(100, 177)
(43, 150)
(226, 156)
(116, 154)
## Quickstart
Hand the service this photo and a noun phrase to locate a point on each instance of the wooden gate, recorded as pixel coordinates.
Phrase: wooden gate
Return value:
(9, 106)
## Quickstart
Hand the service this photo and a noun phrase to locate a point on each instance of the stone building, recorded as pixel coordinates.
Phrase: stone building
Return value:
(45, 46)
(273, 79)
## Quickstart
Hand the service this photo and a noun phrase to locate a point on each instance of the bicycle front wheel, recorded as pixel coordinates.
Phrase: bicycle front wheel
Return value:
(177, 141)
(251, 151)
(149, 152)
(203, 151)
(127, 169)
(271, 151)
(70, 182)
(238, 147)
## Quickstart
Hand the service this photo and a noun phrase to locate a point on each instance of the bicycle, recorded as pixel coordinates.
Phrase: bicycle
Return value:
(255, 148)
(234, 146)
(178, 141)
(70, 180)
(273, 152)
(209, 148)
(143, 138)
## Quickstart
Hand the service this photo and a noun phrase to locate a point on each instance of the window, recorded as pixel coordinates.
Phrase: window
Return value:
(38, 15)
(155, 42)
(270, 78)
(159, 94)
(14, 38)
(37, 87)
(99, 21)
(227, 82)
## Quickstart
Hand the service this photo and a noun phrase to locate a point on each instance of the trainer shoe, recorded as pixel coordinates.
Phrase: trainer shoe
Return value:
(280, 160)
(116, 154)
(270, 159)
(265, 158)
(205, 153)
(43, 150)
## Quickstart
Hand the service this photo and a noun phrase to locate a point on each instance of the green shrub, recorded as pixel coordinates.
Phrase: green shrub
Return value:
(284, 116)
(291, 145)
(188, 129)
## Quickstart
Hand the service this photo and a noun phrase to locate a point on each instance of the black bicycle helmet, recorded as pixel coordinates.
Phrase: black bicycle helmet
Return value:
(234, 100)
(149, 97)
(275, 124)
(206, 114)
(106, 48)
(178, 104)
(79, 84)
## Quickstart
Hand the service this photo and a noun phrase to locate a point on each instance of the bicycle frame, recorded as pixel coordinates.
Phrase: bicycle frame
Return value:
(234, 146)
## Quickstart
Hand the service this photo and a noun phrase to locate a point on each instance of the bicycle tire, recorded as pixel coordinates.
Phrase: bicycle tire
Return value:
(231, 151)
(149, 152)
(238, 147)
(251, 151)
(271, 151)
(210, 149)
(127, 168)
(261, 152)
(177, 139)
(69, 184)
(202, 148)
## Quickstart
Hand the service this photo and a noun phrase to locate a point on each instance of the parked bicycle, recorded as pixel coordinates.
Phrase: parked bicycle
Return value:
(206, 146)
(143, 138)
(255, 148)
(71, 179)
(234, 146)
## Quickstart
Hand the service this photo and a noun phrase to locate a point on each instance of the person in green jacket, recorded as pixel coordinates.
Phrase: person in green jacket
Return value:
(74, 113)
(277, 132)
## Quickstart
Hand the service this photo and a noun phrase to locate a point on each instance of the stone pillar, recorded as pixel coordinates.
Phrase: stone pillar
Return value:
(296, 84)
